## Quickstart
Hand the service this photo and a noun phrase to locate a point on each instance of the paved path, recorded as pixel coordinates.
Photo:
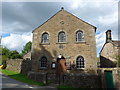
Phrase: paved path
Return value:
(8, 83)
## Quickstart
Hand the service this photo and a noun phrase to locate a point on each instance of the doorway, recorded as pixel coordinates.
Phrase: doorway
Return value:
(109, 79)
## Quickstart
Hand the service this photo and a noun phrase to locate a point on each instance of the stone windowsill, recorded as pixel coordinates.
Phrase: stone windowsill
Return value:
(44, 43)
(80, 68)
(80, 42)
(61, 43)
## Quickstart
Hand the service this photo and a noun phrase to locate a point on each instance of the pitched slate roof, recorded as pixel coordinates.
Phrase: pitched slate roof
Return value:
(116, 43)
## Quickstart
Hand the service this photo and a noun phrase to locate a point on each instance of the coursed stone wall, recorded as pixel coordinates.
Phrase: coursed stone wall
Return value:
(70, 49)
(74, 80)
(82, 80)
(19, 65)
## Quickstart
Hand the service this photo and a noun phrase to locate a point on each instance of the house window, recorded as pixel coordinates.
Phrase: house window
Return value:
(45, 38)
(43, 62)
(80, 62)
(28, 59)
(79, 36)
(61, 37)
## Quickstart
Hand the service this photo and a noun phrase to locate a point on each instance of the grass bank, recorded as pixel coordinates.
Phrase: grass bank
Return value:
(63, 87)
(20, 77)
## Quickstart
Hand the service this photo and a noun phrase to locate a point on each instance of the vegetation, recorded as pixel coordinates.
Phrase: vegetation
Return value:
(14, 55)
(27, 48)
(6, 54)
(21, 77)
(63, 87)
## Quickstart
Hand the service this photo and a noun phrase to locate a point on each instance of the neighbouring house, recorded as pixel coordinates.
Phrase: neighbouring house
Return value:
(109, 52)
(27, 56)
(64, 37)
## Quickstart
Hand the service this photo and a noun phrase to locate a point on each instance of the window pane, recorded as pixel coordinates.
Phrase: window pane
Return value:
(45, 38)
(79, 36)
(43, 62)
(80, 62)
(61, 37)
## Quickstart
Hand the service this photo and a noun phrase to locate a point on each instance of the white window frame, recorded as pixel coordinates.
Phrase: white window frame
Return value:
(59, 37)
(81, 37)
(43, 64)
(43, 38)
(79, 63)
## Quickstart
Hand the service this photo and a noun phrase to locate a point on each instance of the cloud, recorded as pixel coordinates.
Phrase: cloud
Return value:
(27, 15)
(109, 19)
(16, 27)
(100, 39)
(75, 4)
(16, 42)
(21, 18)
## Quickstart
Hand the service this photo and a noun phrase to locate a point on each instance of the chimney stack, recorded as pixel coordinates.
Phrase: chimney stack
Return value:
(108, 36)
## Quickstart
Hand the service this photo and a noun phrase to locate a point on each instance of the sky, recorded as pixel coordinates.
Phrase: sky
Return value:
(19, 19)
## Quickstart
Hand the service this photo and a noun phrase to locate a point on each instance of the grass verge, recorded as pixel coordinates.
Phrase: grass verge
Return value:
(63, 87)
(20, 77)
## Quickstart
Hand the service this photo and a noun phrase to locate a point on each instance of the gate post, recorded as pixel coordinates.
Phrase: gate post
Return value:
(46, 78)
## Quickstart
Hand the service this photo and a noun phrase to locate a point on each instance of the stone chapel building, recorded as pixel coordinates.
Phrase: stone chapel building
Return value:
(67, 37)
(109, 52)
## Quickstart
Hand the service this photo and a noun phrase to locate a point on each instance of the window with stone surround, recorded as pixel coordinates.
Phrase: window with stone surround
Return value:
(80, 62)
(79, 36)
(45, 38)
(61, 37)
(43, 62)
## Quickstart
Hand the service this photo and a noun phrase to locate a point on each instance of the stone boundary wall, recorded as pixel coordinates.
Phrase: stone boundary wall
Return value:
(115, 74)
(36, 76)
(82, 80)
(74, 80)
(19, 65)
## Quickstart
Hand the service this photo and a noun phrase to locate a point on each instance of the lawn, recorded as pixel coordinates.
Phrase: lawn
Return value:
(63, 87)
(21, 77)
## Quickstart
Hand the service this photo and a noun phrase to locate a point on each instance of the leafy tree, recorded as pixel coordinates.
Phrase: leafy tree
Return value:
(7, 54)
(4, 54)
(14, 55)
(27, 48)
(5, 51)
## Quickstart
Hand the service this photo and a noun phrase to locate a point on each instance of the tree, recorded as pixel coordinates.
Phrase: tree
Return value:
(7, 54)
(14, 55)
(27, 48)
(4, 52)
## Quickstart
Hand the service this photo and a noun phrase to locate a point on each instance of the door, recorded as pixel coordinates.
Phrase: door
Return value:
(109, 79)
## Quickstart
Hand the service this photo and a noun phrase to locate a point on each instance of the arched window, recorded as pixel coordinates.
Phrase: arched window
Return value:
(79, 36)
(61, 37)
(45, 38)
(80, 62)
(43, 62)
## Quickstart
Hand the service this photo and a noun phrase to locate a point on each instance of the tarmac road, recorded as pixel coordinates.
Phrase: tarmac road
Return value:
(6, 83)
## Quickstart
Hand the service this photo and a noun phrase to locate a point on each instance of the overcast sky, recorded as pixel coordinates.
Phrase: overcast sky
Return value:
(19, 19)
